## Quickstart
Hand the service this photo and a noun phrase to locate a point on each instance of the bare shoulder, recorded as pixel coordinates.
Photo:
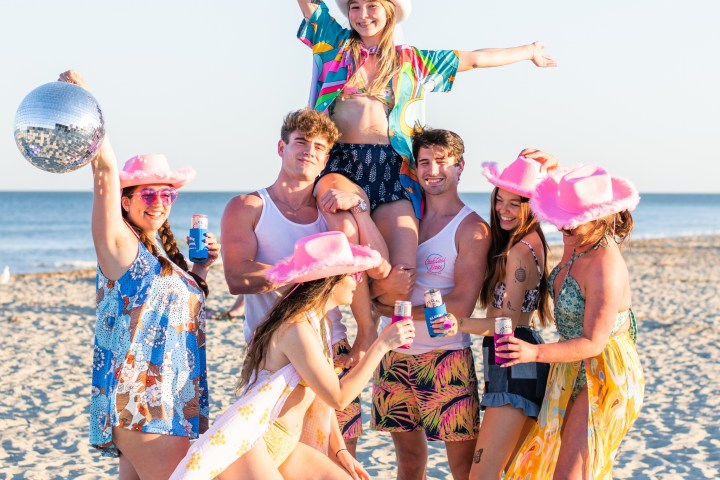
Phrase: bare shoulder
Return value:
(246, 207)
(521, 252)
(474, 228)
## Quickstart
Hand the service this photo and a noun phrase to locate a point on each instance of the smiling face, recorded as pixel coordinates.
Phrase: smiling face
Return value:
(509, 210)
(369, 19)
(148, 206)
(585, 234)
(303, 156)
(437, 172)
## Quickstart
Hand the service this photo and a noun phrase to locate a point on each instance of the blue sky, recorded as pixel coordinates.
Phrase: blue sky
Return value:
(207, 83)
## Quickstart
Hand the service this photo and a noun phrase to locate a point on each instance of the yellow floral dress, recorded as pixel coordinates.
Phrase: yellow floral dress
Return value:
(615, 386)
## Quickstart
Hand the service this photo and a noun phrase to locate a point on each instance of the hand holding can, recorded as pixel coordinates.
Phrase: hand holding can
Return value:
(503, 328)
(403, 311)
(198, 247)
(434, 309)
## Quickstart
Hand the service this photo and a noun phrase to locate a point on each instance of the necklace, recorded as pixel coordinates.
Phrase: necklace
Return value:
(307, 203)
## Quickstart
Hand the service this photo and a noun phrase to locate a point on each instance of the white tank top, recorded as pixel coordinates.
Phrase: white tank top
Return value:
(276, 236)
(435, 269)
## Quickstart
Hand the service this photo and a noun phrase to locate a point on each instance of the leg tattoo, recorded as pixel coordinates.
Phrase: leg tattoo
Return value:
(478, 454)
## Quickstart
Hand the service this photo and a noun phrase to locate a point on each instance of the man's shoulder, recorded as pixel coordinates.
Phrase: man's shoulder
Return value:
(473, 228)
(247, 206)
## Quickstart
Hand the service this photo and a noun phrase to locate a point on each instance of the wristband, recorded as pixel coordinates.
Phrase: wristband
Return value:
(336, 453)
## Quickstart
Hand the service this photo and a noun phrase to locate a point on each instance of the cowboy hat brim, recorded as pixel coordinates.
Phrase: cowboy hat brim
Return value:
(544, 202)
(285, 271)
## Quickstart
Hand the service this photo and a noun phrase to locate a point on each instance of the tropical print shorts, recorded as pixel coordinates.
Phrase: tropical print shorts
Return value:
(350, 419)
(436, 391)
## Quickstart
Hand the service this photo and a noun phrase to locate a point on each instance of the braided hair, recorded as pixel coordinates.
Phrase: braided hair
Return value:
(167, 237)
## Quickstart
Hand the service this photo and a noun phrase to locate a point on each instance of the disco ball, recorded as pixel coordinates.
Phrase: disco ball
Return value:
(59, 127)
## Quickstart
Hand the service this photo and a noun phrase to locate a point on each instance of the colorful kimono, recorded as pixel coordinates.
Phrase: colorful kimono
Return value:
(420, 71)
(149, 372)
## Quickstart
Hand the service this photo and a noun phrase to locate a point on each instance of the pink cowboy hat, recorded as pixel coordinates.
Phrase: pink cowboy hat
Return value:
(520, 177)
(577, 195)
(323, 255)
(149, 169)
(403, 8)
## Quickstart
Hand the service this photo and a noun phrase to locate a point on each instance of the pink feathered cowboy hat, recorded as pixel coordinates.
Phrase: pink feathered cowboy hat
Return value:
(149, 169)
(577, 195)
(402, 8)
(520, 177)
(323, 255)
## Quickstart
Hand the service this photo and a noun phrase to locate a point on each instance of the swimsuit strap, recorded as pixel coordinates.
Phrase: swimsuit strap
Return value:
(574, 256)
(537, 263)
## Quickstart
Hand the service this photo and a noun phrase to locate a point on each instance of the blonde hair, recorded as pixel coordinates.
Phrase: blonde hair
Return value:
(388, 62)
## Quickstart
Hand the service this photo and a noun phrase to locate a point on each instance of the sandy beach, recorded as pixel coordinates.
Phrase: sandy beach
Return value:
(45, 365)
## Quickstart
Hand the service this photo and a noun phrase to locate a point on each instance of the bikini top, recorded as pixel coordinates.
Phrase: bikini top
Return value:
(386, 96)
(531, 299)
(570, 304)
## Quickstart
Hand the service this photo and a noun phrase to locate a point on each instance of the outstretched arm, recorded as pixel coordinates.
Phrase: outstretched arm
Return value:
(308, 7)
(497, 57)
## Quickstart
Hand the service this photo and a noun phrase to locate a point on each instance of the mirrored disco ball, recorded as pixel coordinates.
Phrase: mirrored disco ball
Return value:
(59, 127)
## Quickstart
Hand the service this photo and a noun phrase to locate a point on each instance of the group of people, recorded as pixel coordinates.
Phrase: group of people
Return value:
(365, 211)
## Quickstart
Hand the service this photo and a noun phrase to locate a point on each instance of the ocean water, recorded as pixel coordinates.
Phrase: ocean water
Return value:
(50, 231)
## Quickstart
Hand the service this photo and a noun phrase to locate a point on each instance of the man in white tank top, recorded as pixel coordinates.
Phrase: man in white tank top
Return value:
(430, 390)
(260, 228)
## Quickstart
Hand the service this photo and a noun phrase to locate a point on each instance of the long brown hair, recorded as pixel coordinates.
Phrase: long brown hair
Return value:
(387, 59)
(501, 243)
(167, 238)
(304, 297)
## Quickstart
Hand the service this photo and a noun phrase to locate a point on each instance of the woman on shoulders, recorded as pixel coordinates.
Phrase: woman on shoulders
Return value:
(282, 425)
(596, 384)
(516, 287)
(374, 91)
(149, 382)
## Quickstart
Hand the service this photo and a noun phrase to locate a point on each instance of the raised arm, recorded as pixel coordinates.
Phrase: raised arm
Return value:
(308, 7)
(243, 273)
(115, 244)
(497, 57)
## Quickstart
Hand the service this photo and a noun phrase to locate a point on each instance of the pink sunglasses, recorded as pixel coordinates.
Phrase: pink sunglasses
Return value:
(149, 196)
(357, 276)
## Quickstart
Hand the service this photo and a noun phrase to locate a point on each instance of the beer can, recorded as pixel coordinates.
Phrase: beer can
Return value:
(433, 298)
(199, 221)
(503, 326)
(402, 309)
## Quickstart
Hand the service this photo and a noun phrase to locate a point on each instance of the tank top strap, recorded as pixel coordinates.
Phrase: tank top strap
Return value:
(537, 263)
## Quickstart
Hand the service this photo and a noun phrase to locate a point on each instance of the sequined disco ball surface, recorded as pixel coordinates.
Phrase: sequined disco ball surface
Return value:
(59, 127)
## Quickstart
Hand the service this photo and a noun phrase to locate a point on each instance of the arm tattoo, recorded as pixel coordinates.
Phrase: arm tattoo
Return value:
(520, 274)
(510, 307)
(478, 454)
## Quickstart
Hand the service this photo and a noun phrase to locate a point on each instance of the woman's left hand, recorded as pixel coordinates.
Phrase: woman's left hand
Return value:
(539, 58)
(518, 351)
(446, 325)
(353, 467)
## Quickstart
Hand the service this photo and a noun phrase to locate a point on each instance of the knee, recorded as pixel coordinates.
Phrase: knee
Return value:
(411, 466)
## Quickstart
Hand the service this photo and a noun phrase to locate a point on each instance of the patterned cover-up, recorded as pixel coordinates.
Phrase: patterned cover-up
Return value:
(615, 387)
(420, 71)
(149, 372)
(240, 427)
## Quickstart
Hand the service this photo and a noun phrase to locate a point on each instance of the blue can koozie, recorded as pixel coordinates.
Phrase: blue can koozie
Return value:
(432, 314)
(198, 247)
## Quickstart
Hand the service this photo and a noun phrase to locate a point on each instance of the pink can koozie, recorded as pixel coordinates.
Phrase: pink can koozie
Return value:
(403, 310)
(503, 328)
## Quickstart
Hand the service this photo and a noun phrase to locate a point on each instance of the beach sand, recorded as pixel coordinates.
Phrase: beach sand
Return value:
(48, 322)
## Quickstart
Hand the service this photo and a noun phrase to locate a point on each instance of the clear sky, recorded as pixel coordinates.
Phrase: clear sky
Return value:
(207, 83)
